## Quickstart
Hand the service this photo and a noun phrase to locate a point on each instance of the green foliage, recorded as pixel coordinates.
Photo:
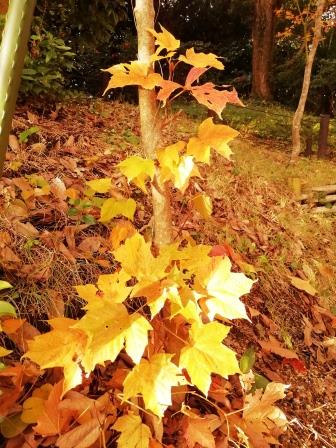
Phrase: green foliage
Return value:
(45, 64)
(24, 136)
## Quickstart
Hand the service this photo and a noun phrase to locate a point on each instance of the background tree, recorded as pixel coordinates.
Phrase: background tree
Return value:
(310, 56)
(263, 41)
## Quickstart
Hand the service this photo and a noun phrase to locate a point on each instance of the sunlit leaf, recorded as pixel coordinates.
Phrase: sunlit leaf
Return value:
(100, 185)
(4, 285)
(154, 379)
(115, 207)
(201, 60)
(210, 135)
(224, 289)
(7, 309)
(134, 433)
(4, 351)
(138, 261)
(137, 170)
(136, 73)
(164, 40)
(203, 205)
(110, 328)
(205, 354)
(303, 285)
(61, 347)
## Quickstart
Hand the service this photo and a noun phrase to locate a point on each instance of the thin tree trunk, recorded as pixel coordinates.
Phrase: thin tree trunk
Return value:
(297, 119)
(151, 123)
(263, 40)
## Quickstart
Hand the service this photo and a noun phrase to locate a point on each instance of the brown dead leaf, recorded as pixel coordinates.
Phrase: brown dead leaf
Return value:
(274, 346)
(199, 430)
(82, 436)
(8, 259)
(11, 388)
(23, 334)
(13, 142)
(26, 229)
(33, 119)
(16, 210)
(90, 245)
(38, 148)
(307, 332)
(56, 307)
(5, 239)
(53, 421)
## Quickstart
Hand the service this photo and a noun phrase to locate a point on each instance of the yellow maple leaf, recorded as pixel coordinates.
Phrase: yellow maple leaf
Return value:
(209, 136)
(134, 433)
(138, 261)
(205, 354)
(224, 289)
(100, 185)
(203, 205)
(201, 60)
(137, 170)
(33, 408)
(136, 73)
(4, 351)
(154, 379)
(164, 40)
(87, 292)
(110, 328)
(114, 207)
(63, 347)
(157, 294)
(194, 259)
(114, 286)
(120, 232)
(176, 168)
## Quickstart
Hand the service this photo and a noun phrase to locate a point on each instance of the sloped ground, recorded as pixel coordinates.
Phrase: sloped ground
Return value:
(52, 242)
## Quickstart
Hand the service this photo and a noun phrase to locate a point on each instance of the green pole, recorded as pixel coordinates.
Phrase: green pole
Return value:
(12, 53)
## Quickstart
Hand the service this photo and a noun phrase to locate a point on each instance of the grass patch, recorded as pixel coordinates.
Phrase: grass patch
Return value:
(263, 120)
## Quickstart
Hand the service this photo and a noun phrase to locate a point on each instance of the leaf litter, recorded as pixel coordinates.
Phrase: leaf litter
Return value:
(51, 240)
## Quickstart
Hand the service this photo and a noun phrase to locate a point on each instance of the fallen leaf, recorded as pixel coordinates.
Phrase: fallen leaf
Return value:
(83, 436)
(274, 346)
(303, 285)
(134, 434)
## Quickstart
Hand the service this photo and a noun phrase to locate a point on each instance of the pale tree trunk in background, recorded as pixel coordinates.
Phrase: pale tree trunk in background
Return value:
(151, 123)
(263, 41)
(297, 119)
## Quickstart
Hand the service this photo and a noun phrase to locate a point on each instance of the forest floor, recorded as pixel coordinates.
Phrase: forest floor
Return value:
(50, 241)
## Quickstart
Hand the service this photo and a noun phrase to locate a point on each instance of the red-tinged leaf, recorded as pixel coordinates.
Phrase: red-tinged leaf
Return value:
(298, 365)
(193, 76)
(10, 326)
(221, 250)
(214, 99)
(167, 88)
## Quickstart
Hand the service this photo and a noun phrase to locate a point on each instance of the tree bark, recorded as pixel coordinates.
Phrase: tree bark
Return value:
(297, 119)
(151, 124)
(262, 40)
